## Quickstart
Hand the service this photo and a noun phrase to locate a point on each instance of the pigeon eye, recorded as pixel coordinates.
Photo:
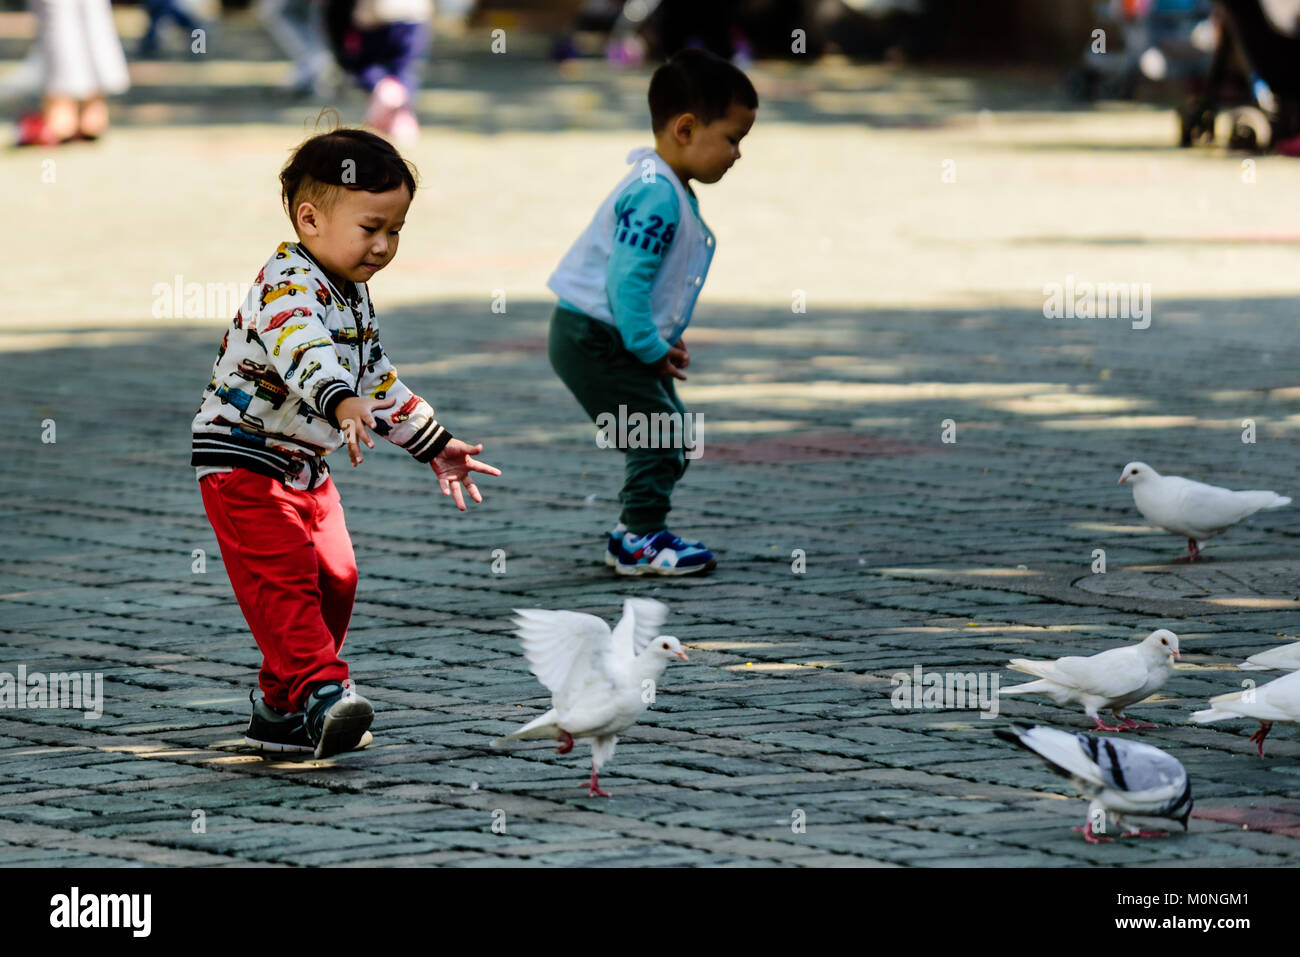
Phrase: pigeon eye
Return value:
(665, 646)
(1133, 472)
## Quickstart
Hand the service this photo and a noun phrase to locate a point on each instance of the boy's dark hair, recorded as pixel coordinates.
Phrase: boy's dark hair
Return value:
(695, 81)
(341, 159)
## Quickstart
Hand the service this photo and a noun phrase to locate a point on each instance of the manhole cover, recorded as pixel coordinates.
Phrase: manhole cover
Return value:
(1262, 585)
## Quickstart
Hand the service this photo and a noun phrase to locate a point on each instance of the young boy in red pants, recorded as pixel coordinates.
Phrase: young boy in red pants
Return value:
(300, 372)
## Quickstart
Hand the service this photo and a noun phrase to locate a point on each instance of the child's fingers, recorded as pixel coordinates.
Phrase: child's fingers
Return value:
(473, 490)
(477, 466)
(460, 499)
(349, 429)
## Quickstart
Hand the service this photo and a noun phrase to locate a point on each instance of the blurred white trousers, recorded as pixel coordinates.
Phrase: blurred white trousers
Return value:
(80, 48)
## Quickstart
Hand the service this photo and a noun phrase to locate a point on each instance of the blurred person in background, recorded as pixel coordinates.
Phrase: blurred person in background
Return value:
(297, 27)
(160, 10)
(83, 63)
(381, 44)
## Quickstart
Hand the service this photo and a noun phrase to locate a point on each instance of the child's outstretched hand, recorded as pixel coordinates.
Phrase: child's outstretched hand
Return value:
(454, 468)
(354, 415)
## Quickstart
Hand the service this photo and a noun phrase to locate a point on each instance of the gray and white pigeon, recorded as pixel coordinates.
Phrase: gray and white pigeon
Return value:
(1110, 680)
(1117, 777)
(600, 681)
(1192, 509)
(1278, 700)
(1281, 658)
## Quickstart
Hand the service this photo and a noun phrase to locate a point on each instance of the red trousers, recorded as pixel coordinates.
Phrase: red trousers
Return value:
(290, 562)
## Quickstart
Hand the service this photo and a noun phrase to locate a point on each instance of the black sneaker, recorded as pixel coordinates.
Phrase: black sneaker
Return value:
(269, 730)
(336, 718)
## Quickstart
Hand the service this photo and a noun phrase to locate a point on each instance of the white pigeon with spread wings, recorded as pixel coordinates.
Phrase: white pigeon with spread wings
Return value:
(1117, 777)
(1282, 658)
(1111, 680)
(1277, 700)
(1194, 510)
(600, 681)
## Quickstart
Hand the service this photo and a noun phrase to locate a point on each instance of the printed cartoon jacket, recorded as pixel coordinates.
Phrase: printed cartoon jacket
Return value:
(295, 350)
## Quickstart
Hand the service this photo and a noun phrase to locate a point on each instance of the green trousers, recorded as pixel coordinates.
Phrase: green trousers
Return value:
(589, 358)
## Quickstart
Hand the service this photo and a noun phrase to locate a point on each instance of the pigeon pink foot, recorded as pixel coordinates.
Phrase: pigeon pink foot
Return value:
(567, 746)
(1135, 725)
(1101, 726)
(1258, 737)
(1090, 837)
(593, 786)
(1193, 553)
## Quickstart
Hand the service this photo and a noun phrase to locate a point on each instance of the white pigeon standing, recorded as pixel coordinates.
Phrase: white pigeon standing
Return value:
(1278, 700)
(1111, 680)
(1281, 658)
(1117, 777)
(600, 681)
(1192, 509)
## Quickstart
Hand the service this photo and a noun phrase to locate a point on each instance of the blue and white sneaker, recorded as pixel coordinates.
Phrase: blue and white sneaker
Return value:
(661, 553)
(615, 537)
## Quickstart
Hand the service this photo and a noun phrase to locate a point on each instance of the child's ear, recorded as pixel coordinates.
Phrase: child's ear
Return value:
(307, 219)
(683, 127)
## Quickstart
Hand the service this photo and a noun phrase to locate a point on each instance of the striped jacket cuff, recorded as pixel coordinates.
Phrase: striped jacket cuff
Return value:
(425, 445)
(329, 397)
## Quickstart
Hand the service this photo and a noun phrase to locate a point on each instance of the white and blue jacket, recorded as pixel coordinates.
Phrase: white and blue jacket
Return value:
(642, 261)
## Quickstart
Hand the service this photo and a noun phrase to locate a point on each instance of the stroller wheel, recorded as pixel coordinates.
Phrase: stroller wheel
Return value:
(1251, 129)
(1196, 126)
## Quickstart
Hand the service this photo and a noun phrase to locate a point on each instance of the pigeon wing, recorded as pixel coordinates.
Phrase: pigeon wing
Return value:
(1213, 508)
(568, 651)
(642, 621)
(1285, 658)
(1132, 766)
(1060, 749)
(1279, 700)
(1110, 674)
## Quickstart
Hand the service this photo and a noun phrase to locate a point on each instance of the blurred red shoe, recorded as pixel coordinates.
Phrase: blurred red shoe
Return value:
(32, 131)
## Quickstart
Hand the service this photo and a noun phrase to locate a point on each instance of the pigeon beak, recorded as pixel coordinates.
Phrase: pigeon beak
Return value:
(1177, 656)
(682, 655)
(1122, 480)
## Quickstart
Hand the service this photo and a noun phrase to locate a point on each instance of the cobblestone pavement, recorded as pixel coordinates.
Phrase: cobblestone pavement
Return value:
(854, 542)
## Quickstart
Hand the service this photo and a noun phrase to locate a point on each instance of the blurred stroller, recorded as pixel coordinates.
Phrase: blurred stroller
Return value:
(1258, 54)
(1161, 39)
